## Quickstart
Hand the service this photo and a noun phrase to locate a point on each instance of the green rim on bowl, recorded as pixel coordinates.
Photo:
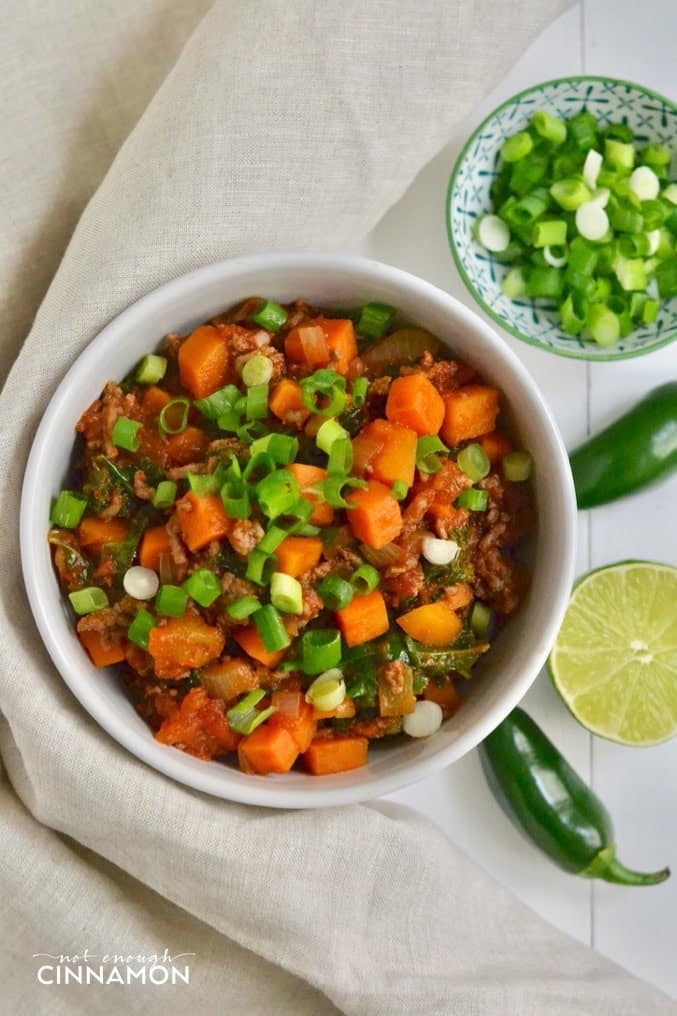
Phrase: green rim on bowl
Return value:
(651, 117)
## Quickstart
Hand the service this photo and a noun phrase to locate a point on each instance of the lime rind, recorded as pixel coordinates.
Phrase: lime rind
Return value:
(614, 662)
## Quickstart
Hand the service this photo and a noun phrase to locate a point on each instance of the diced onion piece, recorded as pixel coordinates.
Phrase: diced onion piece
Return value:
(553, 259)
(644, 183)
(654, 238)
(493, 233)
(601, 197)
(327, 691)
(592, 222)
(591, 168)
(141, 583)
(438, 551)
(425, 720)
(652, 289)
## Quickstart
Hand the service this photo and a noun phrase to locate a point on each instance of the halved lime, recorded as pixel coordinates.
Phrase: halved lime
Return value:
(615, 658)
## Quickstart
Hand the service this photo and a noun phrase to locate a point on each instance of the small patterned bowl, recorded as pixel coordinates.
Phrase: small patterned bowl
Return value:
(651, 117)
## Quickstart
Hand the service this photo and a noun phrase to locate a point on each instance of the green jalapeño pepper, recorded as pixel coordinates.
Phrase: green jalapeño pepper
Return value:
(548, 802)
(635, 450)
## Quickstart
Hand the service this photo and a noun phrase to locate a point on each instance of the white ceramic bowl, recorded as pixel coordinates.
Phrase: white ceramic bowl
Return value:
(517, 656)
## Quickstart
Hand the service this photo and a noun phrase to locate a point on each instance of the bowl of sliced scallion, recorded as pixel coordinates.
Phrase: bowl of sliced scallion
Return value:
(562, 217)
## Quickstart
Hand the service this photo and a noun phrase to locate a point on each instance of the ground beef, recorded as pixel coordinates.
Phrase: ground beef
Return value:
(114, 506)
(177, 548)
(244, 536)
(197, 468)
(141, 488)
(498, 579)
(379, 726)
(445, 375)
(393, 674)
(312, 605)
(112, 622)
(96, 423)
(438, 492)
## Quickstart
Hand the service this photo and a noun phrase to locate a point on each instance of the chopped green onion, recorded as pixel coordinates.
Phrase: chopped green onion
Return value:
(360, 386)
(549, 233)
(327, 385)
(151, 369)
(474, 462)
(516, 466)
(258, 370)
(583, 130)
(272, 539)
(340, 456)
(618, 153)
(327, 691)
(427, 460)
(592, 222)
(125, 434)
(666, 279)
(475, 500)
(286, 593)
(270, 316)
(219, 403)
(570, 321)
(260, 567)
(670, 193)
(329, 432)
(530, 207)
(335, 592)
(243, 607)
(203, 586)
(583, 257)
(493, 233)
(67, 510)
(516, 147)
(545, 282)
(270, 628)
(619, 131)
(514, 284)
(625, 218)
(399, 490)
(630, 272)
(171, 601)
(365, 579)
(86, 601)
(650, 312)
(165, 494)
(527, 172)
(283, 448)
(235, 497)
(549, 127)
(570, 193)
(481, 619)
(257, 402)
(655, 155)
(296, 517)
(204, 484)
(230, 421)
(603, 325)
(374, 319)
(320, 650)
(244, 717)
(140, 628)
(260, 465)
(277, 493)
(167, 412)
(332, 489)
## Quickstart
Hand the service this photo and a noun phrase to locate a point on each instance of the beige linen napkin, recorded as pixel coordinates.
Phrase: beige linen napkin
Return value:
(283, 124)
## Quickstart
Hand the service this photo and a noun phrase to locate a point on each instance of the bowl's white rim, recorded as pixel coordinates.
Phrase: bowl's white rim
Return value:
(262, 790)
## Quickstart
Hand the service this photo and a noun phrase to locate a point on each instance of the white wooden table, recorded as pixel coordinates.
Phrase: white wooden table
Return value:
(635, 927)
